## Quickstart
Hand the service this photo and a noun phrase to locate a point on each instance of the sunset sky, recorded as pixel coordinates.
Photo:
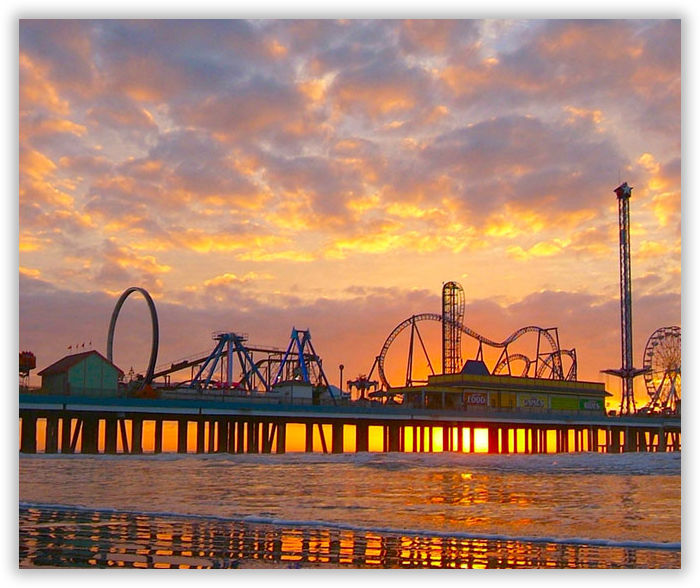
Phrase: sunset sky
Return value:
(332, 175)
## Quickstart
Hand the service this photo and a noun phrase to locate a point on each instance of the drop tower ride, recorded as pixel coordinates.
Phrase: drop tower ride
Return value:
(627, 372)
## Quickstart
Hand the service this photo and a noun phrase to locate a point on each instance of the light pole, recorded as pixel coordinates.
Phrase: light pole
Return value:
(342, 367)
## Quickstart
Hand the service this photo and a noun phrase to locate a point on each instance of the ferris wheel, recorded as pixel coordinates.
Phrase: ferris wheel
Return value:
(662, 362)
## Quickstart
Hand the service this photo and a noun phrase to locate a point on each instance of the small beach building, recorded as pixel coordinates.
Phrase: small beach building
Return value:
(81, 374)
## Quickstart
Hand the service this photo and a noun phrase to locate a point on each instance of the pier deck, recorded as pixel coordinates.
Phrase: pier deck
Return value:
(245, 426)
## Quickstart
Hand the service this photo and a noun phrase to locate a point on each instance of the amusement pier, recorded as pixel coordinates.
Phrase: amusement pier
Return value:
(116, 425)
(517, 395)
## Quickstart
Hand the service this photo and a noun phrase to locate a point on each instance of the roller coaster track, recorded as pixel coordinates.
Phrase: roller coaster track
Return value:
(154, 326)
(555, 355)
(500, 366)
(546, 363)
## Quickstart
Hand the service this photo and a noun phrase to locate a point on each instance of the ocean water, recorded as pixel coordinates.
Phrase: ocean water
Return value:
(358, 510)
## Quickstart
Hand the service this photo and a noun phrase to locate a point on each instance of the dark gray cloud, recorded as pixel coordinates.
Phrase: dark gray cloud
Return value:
(418, 37)
(66, 46)
(255, 105)
(525, 161)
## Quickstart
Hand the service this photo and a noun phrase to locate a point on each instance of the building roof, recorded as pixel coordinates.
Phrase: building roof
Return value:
(472, 367)
(67, 362)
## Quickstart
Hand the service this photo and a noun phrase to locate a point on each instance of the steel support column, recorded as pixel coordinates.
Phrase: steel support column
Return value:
(337, 437)
(281, 437)
(51, 445)
(362, 437)
(28, 444)
(158, 436)
(111, 435)
(137, 435)
(182, 435)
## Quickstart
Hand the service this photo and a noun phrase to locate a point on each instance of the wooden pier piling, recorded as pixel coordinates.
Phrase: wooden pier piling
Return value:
(119, 428)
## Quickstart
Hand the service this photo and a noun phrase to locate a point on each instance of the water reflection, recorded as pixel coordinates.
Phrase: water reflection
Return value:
(467, 489)
(78, 538)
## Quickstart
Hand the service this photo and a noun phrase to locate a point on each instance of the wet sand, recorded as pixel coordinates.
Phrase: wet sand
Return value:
(71, 537)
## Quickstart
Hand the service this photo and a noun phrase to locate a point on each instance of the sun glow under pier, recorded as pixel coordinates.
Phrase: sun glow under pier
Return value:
(54, 424)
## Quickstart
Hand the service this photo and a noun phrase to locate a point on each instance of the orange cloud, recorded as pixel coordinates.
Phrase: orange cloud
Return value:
(128, 222)
(385, 237)
(229, 278)
(540, 249)
(37, 184)
(35, 90)
(364, 204)
(314, 90)
(514, 222)
(433, 35)
(659, 177)
(35, 165)
(407, 210)
(209, 242)
(46, 126)
(651, 249)
(142, 92)
(126, 258)
(289, 255)
(377, 89)
(29, 272)
(29, 243)
(666, 206)
(595, 41)
(276, 49)
(126, 116)
(376, 100)
(466, 79)
(594, 240)
(593, 115)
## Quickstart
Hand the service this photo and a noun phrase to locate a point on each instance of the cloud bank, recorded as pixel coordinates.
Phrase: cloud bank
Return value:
(340, 171)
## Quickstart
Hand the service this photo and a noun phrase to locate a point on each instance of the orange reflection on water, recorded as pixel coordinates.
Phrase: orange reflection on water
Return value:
(65, 538)
(292, 546)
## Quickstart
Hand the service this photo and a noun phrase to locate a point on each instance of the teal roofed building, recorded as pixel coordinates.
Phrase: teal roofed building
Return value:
(81, 374)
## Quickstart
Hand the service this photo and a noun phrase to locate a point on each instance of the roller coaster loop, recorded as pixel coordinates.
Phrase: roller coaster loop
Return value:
(555, 356)
(154, 323)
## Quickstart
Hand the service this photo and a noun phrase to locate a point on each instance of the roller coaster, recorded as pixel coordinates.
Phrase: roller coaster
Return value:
(549, 360)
